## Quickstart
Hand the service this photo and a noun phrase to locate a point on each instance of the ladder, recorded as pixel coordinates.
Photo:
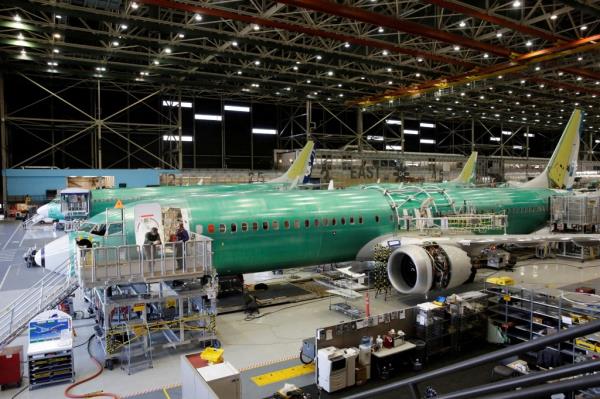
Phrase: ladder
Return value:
(46, 294)
(136, 355)
(27, 223)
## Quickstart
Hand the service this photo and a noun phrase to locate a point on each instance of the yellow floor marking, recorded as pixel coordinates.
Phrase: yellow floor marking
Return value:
(166, 393)
(284, 374)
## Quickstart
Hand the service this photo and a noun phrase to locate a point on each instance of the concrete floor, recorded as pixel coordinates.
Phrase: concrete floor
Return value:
(274, 336)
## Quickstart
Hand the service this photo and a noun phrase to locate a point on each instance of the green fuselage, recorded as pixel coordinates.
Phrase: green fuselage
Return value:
(296, 228)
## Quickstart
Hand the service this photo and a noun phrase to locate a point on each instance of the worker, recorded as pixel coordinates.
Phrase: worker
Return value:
(182, 236)
(151, 243)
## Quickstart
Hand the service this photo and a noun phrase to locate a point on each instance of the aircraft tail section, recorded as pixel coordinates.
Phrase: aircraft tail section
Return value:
(301, 168)
(560, 171)
(468, 173)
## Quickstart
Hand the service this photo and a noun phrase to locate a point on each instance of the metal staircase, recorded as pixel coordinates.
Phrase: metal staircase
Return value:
(46, 294)
(35, 219)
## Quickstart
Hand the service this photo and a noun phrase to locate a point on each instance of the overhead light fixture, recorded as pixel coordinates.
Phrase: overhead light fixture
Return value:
(207, 117)
(256, 27)
(375, 138)
(135, 5)
(516, 3)
(393, 147)
(380, 29)
(456, 48)
(419, 59)
(256, 130)
(257, 62)
(486, 55)
(236, 108)
(528, 43)
(427, 141)
(52, 63)
(156, 62)
(319, 57)
(390, 82)
(579, 78)
(115, 43)
(20, 36)
(181, 35)
(537, 68)
(55, 50)
(579, 58)
(171, 103)
(499, 34)
(411, 132)
(101, 69)
(168, 50)
(517, 147)
(346, 45)
(506, 132)
(329, 73)
(385, 52)
(239, 72)
(198, 17)
(234, 43)
(17, 18)
(124, 27)
(295, 68)
(584, 27)
(494, 138)
(553, 16)
(393, 122)
(417, 74)
(427, 124)
(176, 138)
(462, 24)
(56, 35)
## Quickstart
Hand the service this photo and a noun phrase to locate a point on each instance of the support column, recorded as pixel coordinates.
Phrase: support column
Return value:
(359, 127)
(402, 131)
(251, 137)
(222, 135)
(179, 133)
(308, 119)
(591, 151)
(3, 142)
(472, 134)
(527, 153)
(99, 128)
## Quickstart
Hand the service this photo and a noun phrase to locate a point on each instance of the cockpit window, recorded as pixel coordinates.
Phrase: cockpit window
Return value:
(114, 228)
(87, 227)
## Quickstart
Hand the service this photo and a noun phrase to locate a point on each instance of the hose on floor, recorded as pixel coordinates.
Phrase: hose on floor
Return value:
(97, 394)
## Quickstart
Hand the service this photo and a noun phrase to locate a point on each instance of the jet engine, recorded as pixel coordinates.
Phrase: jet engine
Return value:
(417, 269)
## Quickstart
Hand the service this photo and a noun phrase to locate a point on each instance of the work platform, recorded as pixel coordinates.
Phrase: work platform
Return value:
(128, 264)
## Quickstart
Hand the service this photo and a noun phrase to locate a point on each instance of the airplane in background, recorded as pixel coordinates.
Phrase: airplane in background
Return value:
(263, 231)
(82, 203)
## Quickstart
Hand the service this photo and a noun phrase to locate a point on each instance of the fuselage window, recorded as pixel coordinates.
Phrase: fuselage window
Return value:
(307, 223)
(233, 227)
(351, 219)
(316, 222)
(333, 222)
(286, 224)
(254, 226)
(376, 218)
(211, 228)
(222, 228)
(343, 221)
(244, 226)
(360, 220)
(325, 222)
(296, 224)
(275, 225)
(265, 225)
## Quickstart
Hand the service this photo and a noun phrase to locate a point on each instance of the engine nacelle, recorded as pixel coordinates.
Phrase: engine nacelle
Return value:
(417, 269)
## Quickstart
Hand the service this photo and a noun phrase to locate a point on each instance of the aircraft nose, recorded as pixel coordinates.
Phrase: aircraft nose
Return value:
(54, 255)
(43, 211)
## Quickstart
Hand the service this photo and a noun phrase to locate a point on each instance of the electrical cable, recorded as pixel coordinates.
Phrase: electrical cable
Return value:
(89, 378)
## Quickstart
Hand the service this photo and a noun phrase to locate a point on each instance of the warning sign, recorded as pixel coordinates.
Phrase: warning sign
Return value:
(119, 205)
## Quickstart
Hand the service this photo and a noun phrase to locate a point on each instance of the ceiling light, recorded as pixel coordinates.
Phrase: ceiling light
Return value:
(288, 89)
(542, 86)
(500, 76)
(481, 97)
(528, 94)
(339, 85)
(584, 27)
(560, 73)
(176, 138)
(135, 5)
(115, 43)
(181, 35)
(516, 3)
(295, 68)
(20, 36)
(462, 94)
(156, 62)
(528, 43)
(411, 132)
(393, 122)
(168, 50)
(427, 141)
(329, 73)
(380, 30)
(23, 52)
(256, 130)
(363, 78)
(257, 62)
(52, 63)
(234, 43)
(506, 132)
(198, 17)
(341, 95)
(207, 117)
(553, 16)
(254, 85)
(390, 82)
(456, 48)
(319, 57)
(427, 125)
(346, 44)
(101, 69)
(389, 69)
(256, 27)
(124, 27)
(56, 35)
(486, 55)
(239, 72)
(417, 74)
(579, 78)
(236, 108)
(384, 52)
(537, 68)
(579, 58)
(17, 18)
(494, 138)
(308, 81)
(419, 59)
(55, 50)
(499, 34)
(462, 24)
